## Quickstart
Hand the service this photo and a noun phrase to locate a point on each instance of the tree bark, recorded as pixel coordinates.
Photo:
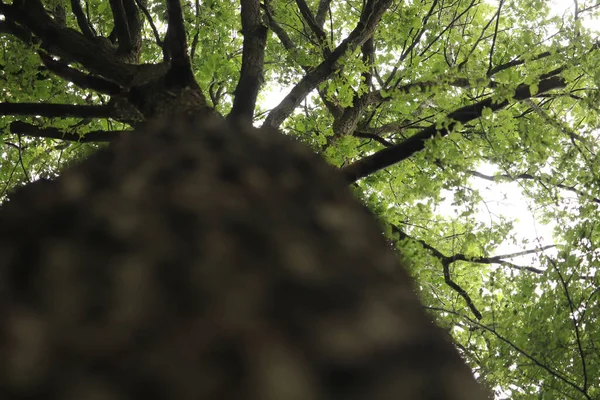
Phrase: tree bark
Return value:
(210, 261)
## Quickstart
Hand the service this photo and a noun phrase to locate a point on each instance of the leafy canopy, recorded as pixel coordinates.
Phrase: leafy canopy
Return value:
(433, 110)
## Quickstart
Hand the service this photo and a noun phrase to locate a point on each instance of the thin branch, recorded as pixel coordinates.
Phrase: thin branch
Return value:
(534, 178)
(500, 3)
(572, 314)
(445, 261)
(21, 163)
(540, 56)
(144, 9)
(196, 38)
(537, 362)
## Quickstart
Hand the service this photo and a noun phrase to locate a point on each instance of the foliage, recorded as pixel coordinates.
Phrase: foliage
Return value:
(506, 87)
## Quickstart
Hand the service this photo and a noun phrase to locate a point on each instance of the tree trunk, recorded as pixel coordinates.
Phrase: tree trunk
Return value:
(209, 260)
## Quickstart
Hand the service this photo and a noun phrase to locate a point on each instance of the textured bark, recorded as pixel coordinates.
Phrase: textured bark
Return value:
(212, 262)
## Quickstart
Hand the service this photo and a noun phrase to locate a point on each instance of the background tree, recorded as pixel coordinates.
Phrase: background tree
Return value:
(415, 102)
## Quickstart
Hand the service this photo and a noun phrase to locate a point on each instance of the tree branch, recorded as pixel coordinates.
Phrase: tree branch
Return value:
(56, 110)
(314, 26)
(144, 9)
(253, 58)
(82, 21)
(67, 43)
(25, 129)
(391, 155)
(180, 71)
(537, 179)
(369, 19)
(530, 357)
(445, 261)
(322, 12)
(85, 81)
(121, 26)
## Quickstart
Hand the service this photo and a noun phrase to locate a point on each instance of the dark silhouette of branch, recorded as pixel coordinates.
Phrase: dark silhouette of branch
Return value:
(121, 26)
(25, 129)
(495, 37)
(56, 110)
(253, 59)
(196, 38)
(281, 34)
(391, 155)
(176, 36)
(373, 137)
(520, 61)
(33, 21)
(82, 21)
(289, 45)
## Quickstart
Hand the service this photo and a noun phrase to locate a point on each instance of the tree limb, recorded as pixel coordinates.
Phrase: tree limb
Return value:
(121, 26)
(391, 155)
(82, 21)
(25, 129)
(253, 58)
(369, 19)
(314, 26)
(180, 71)
(85, 81)
(56, 110)
(65, 42)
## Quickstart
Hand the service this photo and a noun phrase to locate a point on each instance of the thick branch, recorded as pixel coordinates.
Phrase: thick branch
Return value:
(176, 36)
(55, 110)
(121, 26)
(65, 42)
(180, 72)
(25, 129)
(82, 21)
(346, 122)
(391, 155)
(85, 81)
(253, 58)
(369, 19)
